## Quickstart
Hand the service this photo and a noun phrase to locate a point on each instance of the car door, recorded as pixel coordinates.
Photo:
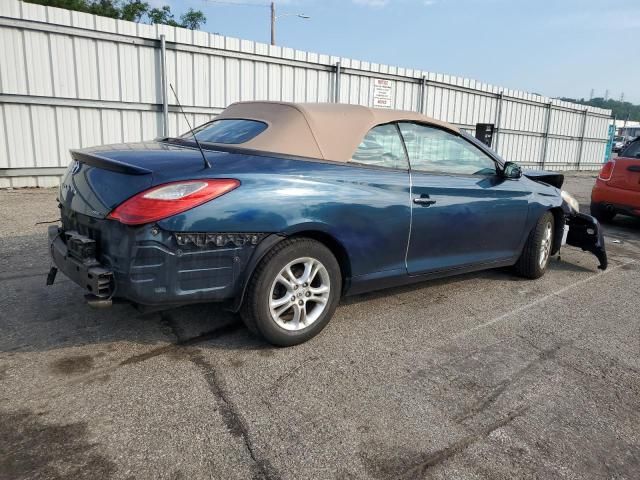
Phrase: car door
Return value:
(464, 213)
(376, 218)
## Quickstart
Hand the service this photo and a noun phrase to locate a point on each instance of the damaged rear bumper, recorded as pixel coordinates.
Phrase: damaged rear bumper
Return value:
(74, 255)
(150, 266)
(585, 232)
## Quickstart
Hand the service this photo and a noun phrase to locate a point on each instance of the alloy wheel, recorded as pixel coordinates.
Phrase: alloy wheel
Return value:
(299, 294)
(545, 245)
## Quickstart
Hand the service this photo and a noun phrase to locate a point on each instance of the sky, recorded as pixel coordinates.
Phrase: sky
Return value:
(550, 47)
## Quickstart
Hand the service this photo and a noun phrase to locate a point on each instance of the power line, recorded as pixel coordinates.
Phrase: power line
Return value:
(241, 4)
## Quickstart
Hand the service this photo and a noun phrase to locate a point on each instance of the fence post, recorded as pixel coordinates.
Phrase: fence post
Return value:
(165, 98)
(547, 127)
(337, 83)
(584, 129)
(498, 119)
(423, 96)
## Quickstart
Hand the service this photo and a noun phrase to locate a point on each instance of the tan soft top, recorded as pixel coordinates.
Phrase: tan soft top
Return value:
(328, 131)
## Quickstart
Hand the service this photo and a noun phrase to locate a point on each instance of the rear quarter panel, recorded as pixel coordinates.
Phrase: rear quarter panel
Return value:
(366, 210)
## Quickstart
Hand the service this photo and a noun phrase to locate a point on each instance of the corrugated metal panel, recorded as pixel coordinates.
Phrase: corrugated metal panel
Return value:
(85, 88)
(90, 128)
(4, 152)
(68, 122)
(19, 136)
(63, 62)
(12, 62)
(45, 143)
(38, 60)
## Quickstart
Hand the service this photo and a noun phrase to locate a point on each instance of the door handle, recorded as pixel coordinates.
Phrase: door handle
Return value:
(423, 201)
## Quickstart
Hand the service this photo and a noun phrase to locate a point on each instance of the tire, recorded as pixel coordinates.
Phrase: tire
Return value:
(602, 214)
(287, 323)
(535, 255)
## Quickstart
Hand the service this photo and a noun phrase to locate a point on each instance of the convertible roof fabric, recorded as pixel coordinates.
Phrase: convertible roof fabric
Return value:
(327, 131)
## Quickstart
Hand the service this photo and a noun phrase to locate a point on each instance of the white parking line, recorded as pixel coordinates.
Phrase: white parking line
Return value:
(538, 301)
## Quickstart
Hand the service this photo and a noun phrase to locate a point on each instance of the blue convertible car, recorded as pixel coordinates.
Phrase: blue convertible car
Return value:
(279, 209)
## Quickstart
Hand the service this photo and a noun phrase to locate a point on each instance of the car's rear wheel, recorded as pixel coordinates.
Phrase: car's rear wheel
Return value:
(537, 250)
(293, 292)
(602, 213)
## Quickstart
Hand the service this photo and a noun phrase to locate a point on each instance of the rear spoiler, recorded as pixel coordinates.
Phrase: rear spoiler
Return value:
(108, 163)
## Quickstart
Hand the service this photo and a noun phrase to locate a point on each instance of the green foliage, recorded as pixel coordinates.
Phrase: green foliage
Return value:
(134, 10)
(131, 10)
(162, 16)
(621, 110)
(193, 19)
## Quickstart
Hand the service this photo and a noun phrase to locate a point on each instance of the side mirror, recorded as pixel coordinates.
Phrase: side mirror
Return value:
(511, 170)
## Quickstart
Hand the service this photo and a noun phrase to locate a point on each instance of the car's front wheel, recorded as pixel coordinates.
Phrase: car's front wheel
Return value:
(293, 292)
(537, 250)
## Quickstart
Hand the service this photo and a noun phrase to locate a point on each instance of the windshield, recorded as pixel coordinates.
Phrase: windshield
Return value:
(229, 131)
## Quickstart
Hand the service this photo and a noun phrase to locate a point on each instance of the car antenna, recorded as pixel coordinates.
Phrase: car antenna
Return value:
(204, 158)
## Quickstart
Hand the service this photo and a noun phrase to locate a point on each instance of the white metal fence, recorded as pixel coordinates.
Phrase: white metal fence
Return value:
(70, 79)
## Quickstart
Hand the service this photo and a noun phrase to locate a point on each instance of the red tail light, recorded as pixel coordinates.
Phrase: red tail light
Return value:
(170, 199)
(607, 170)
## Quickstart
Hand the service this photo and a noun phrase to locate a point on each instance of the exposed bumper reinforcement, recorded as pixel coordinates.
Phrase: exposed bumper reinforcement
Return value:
(73, 257)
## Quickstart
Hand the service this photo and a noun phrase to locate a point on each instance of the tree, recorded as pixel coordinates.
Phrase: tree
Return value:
(162, 16)
(104, 8)
(621, 110)
(193, 19)
(134, 10)
(131, 10)
(78, 5)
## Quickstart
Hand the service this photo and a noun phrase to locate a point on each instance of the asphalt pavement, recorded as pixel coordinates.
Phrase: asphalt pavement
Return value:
(478, 376)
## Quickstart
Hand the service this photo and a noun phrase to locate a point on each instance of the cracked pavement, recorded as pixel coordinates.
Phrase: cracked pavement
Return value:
(478, 376)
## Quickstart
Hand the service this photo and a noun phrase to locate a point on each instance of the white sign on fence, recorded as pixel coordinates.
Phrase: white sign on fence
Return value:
(382, 94)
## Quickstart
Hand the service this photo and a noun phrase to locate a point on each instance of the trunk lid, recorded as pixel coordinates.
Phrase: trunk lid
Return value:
(626, 174)
(100, 178)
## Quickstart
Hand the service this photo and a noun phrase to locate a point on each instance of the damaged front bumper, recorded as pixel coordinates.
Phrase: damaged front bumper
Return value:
(585, 232)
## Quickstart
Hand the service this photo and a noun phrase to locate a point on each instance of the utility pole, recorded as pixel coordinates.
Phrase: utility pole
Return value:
(273, 23)
(591, 94)
(606, 95)
(275, 17)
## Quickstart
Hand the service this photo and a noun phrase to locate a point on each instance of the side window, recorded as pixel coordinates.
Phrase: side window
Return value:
(434, 150)
(632, 150)
(382, 147)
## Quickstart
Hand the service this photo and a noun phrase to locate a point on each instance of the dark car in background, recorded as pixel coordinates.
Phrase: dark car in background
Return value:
(619, 143)
(280, 209)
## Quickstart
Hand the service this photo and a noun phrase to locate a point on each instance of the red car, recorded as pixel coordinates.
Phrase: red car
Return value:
(617, 189)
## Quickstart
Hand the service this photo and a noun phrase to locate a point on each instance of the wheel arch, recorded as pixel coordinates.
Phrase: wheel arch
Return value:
(558, 228)
(336, 248)
(328, 240)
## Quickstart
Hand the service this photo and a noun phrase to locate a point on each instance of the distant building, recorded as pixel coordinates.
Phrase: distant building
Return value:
(627, 129)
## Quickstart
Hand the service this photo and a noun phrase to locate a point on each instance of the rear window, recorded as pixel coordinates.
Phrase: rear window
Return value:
(632, 150)
(230, 131)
